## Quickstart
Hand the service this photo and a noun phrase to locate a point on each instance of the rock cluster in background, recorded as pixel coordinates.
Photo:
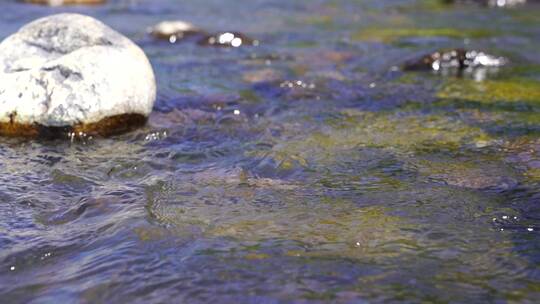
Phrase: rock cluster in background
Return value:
(176, 31)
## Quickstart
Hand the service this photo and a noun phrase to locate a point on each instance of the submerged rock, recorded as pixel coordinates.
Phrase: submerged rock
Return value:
(476, 179)
(70, 72)
(457, 59)
(228, 39)
(174, 31)
(65, 2)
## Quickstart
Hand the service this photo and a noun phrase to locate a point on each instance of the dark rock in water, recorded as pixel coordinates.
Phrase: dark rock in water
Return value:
(174, 31)
(458, 59)
(177, 30)
(228, 39)
(176, 117)
(65, 2)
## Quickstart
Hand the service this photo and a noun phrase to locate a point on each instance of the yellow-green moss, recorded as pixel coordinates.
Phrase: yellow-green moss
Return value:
(466, 174)
(324, 21)
(518, 90)
(383, 130)
(389, 35)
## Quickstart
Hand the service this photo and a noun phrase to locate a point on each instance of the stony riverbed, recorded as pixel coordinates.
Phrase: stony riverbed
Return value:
(308, 167)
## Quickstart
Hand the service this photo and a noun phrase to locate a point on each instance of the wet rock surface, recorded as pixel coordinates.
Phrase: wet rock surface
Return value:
(70, 70)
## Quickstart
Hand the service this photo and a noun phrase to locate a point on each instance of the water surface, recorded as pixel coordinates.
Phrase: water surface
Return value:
(307, 169)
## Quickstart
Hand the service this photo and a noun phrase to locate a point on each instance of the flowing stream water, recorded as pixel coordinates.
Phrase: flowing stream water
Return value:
(309, 168)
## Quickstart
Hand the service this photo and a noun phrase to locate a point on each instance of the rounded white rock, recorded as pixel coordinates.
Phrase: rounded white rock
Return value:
(71, 69)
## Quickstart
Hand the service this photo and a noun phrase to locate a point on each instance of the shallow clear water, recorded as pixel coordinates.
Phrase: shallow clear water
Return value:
(361, 183)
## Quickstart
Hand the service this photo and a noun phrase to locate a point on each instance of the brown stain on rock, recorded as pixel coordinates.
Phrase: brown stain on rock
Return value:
(108, 126)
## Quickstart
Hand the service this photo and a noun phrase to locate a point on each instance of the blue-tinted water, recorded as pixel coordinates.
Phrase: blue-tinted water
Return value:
(307, 169)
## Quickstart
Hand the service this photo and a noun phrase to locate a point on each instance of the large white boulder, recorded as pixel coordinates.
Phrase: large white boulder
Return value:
(72, 70)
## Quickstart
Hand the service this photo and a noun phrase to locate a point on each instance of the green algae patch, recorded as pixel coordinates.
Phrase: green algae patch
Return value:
(323, 22)
(302, 44)
(401, 131)
(328, 226)
(507, 108)
(357, 232)
(389, 35)
(250, 96)
(430, 6)
(524, 17)
(256, 256)
(532, 174)
(519, 90)
(500, 107)
(150, 234)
